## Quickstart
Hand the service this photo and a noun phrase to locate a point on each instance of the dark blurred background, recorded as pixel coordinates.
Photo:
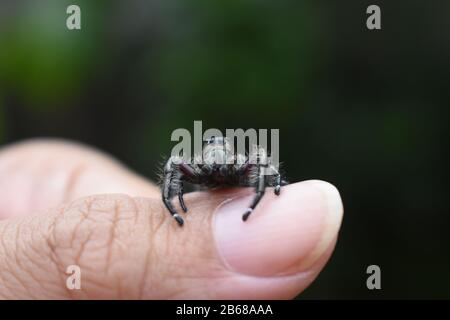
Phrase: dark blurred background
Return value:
(365, 110)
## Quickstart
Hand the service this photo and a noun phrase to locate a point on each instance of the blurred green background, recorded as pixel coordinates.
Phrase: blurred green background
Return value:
(365, 110)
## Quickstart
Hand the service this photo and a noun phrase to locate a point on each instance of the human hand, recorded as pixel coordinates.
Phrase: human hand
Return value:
(63, 204)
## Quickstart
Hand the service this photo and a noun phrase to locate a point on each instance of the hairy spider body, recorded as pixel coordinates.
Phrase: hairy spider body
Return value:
(219, 168)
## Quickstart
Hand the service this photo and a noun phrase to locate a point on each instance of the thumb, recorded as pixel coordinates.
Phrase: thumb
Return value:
(41, 173)
(285, 244)
(130, 247)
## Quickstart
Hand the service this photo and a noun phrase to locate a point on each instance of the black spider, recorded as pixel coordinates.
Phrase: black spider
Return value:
(219, 168)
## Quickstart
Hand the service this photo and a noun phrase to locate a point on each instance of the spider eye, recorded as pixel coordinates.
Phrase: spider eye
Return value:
(214, 140)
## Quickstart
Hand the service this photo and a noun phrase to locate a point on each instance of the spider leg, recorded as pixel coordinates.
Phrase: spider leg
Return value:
(278, 185)
(260, 189)
(276, 181)
(168, 185)
(189, 173)
(180, 198)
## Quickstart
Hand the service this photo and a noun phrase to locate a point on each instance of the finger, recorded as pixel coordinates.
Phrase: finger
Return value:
(39, 174)
(131, 247)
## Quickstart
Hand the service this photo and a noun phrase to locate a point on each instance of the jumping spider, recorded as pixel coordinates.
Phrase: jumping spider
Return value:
(220, 167)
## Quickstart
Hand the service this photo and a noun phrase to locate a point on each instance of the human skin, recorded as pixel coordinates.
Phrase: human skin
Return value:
(64, 204)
